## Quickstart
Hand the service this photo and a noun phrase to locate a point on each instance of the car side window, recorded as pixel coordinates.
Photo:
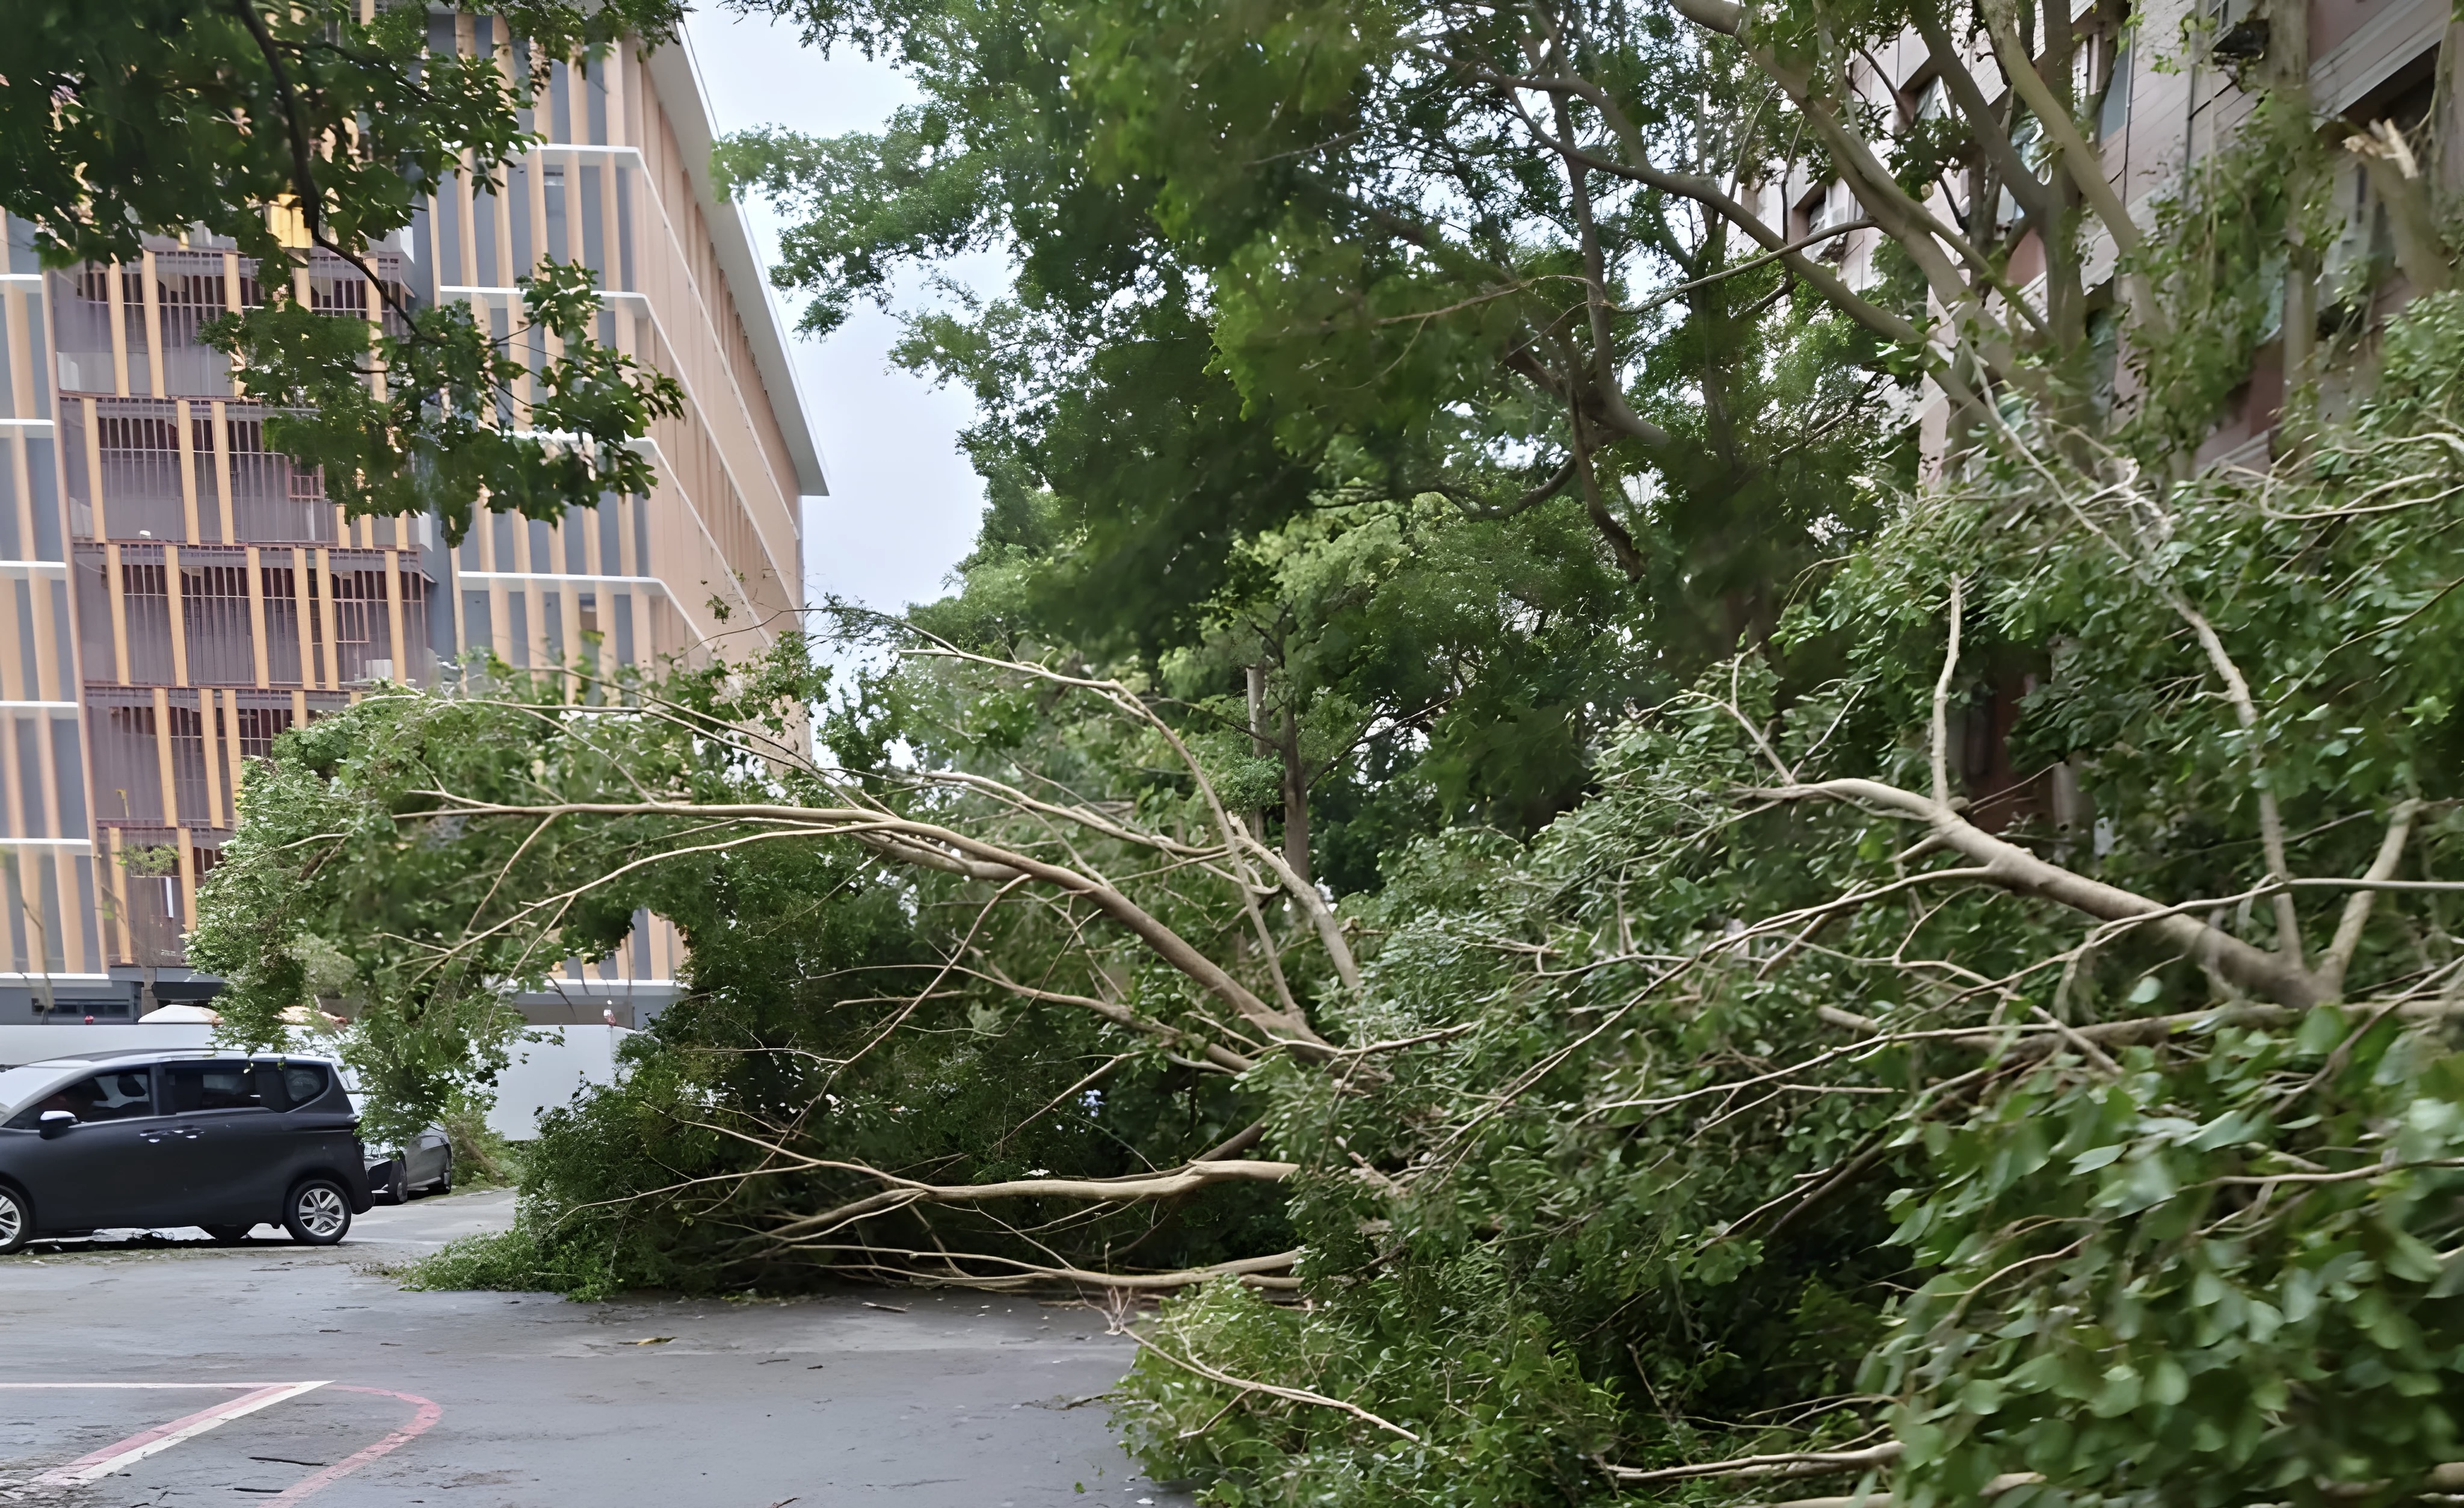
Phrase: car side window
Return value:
(302, 1082)
(211, 1086)
(124, 1095)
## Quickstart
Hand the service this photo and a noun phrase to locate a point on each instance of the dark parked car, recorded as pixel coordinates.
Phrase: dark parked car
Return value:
(153, 1138)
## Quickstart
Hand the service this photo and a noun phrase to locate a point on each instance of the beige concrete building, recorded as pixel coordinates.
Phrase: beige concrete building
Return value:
(176, 594)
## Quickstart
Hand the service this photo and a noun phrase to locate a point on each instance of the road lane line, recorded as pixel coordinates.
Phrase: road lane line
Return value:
(428, 1415)
(137, 1447)
(225, 1386)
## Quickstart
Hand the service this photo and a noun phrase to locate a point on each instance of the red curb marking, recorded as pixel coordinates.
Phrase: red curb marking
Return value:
(94, 1464)
(428, 1414)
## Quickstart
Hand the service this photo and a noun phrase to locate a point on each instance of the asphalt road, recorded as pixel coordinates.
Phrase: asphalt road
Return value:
(169, 1371)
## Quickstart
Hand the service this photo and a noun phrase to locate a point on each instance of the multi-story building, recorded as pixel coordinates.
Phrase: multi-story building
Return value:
(2166, 83)
(176, 594)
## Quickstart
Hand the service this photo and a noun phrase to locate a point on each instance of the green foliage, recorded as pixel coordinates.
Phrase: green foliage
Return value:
(1279, 280)
(1741, 1227)
(482, 1159)
(1523, 1425)
(431, 440)
(2177, 1324)
(383, 903)
(1676, 1079)
(1339, 479)
(154, 119)
(519, 1260)
(1752, 1105)
(813, 1018)
(2218, 257)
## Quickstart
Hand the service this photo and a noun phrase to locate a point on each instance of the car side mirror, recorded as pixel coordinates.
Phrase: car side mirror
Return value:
(52, 1123)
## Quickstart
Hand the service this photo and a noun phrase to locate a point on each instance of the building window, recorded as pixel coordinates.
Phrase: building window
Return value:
(362, 641)
(139, 485)
(146, 607)
(2113, 111)
(215, 620)
(259, 728)
(269, 500)
(190, 770)
(127, 764)
(281, 585)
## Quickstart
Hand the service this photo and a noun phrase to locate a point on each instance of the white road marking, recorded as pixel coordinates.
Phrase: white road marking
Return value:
(137, 1447)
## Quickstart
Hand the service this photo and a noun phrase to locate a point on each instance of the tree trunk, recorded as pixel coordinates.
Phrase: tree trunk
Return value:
(1296, 818)
(1258, 744)
(2288, 72)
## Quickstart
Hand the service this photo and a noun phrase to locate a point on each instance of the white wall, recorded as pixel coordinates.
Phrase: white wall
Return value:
(550, 1067)
(31, 1044)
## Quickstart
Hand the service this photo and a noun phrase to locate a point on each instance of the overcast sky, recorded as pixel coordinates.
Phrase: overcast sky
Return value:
(904, 502)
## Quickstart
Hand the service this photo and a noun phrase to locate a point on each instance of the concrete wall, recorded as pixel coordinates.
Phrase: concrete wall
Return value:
(548, 1069)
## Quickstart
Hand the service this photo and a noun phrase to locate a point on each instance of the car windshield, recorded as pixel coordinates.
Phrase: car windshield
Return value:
(22, 1083)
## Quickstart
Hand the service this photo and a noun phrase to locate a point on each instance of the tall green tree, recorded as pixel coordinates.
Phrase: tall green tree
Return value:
(1194, 461)
(1402, 293)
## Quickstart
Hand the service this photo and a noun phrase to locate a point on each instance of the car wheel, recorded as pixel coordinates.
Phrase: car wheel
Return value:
(395, 1177)
(318, 1212)
(16, 1220)
(444, 1174)
(229, 1234)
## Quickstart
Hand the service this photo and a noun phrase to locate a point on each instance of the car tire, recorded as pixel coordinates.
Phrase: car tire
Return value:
(444, 1175)
(397, 1182)
(229, 1234)
(318, 1212)
(16, 1220)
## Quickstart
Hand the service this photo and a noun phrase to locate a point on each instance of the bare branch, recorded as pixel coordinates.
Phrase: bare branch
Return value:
(2086, 168)
(911, 841)
(903, 1191)
(1251, 1271)
(1941, 703)
(1119, 1015)
(2015, 869)
(1329, 930)
(1791, 1463)
(1298, 1395)
(1991, 1489)
(1638, 167)
(2357, 908)
(2271, 821)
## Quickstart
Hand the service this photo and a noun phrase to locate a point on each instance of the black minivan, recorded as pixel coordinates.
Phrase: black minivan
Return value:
(150, 1139)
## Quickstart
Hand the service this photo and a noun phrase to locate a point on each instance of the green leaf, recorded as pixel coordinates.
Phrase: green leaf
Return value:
(2096, 1157)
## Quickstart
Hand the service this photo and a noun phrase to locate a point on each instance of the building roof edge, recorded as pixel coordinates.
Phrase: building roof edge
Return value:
(676, 75)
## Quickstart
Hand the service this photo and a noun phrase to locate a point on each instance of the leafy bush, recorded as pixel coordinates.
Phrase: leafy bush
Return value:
(481, 1157)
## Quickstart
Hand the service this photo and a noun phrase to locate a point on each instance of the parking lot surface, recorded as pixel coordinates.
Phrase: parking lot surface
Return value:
(146, 1371)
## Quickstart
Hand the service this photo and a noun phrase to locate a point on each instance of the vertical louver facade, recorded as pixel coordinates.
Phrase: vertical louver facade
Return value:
(178, 593)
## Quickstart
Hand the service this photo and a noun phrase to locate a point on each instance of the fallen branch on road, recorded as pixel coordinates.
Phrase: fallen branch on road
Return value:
(904, 1192)
(1253, 1272)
